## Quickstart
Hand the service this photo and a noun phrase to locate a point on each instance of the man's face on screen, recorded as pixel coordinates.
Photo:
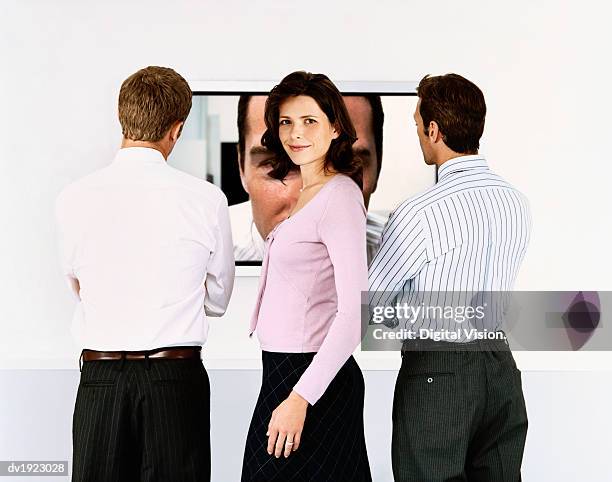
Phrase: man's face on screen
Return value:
(271, 199)
(360, 112)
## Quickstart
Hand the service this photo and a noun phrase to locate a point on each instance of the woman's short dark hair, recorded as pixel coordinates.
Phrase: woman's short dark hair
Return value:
(339, 157)
(457, 106)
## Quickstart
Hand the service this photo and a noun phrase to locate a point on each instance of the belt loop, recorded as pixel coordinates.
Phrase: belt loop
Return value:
(147, 361)
(80, 359)
(122, 362)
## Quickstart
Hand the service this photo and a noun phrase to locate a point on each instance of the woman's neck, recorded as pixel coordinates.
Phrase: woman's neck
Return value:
(313, 173)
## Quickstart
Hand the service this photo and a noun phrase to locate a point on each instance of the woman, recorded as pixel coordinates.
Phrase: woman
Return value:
(308, 421)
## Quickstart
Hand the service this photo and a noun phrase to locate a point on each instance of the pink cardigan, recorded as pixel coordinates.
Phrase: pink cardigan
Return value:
(313, 272)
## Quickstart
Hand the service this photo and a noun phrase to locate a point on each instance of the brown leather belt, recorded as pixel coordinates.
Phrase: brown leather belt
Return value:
(168, 353)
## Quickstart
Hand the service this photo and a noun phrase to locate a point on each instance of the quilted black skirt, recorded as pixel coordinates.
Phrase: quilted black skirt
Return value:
(332, 446)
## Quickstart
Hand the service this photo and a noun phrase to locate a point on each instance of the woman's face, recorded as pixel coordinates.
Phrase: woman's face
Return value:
(304, 130)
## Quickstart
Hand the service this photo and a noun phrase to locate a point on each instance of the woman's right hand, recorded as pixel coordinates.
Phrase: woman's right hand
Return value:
(286, 425)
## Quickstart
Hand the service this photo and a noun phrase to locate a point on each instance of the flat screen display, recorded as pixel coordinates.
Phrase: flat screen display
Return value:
(212, 148)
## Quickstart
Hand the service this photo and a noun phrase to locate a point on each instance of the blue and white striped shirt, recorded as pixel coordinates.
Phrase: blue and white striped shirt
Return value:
(468, 233)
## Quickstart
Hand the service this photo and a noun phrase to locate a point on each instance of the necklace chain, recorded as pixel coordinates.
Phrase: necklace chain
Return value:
(310, 185)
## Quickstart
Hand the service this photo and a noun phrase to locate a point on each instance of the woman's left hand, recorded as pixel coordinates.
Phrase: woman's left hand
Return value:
(286, 425)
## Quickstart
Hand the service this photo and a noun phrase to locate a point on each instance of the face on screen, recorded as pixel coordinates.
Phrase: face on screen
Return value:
(360, 112)
(271, 200)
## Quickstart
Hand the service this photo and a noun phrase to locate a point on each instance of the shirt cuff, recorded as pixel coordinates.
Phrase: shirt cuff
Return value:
(306, 393)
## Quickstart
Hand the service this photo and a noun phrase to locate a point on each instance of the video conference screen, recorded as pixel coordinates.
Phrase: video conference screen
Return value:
(210, 149)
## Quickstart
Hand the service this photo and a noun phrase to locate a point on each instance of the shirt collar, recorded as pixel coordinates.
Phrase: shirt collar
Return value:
(138, 156)
(462, 163)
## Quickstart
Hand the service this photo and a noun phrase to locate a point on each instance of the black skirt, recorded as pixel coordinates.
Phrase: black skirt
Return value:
(332, 446)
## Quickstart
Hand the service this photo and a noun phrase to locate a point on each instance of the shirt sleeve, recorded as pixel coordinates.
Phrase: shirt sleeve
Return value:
(220, 270)
(342, 229)
(402, 255)
(66, 239)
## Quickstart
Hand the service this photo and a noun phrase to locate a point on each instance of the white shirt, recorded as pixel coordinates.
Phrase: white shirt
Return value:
(467, 234)
(151, 248)
(248, 243)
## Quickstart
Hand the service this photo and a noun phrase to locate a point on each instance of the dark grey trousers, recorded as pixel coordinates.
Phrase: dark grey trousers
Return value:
(458, 416)
(145, 421)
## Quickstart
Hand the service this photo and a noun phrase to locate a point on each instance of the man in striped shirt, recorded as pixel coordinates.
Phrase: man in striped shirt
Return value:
(458, 410)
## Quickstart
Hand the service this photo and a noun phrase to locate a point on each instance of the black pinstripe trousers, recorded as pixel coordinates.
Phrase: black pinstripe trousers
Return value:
(458, 416)
(144, 421)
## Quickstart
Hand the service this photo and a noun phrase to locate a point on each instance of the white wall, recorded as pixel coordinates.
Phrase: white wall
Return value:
(540, 64)
(543, 67)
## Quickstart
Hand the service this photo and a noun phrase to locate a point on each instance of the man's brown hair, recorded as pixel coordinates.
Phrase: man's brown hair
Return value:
(457, 106)
(151, 101)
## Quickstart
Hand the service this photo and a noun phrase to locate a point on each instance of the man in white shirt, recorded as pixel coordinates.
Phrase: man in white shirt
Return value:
(147, 251)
